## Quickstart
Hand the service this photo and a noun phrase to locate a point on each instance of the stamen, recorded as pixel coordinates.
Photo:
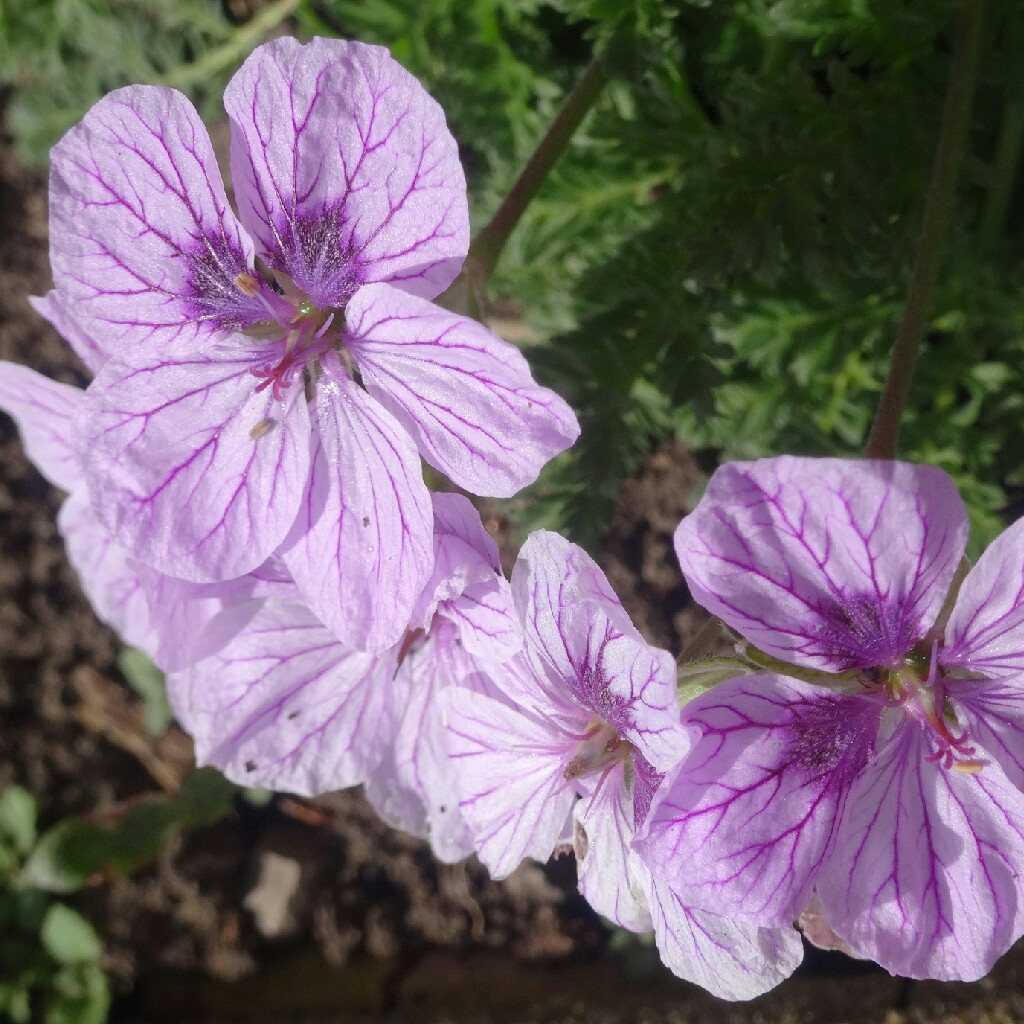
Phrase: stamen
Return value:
(323, 330)
(601, 748)
(248, 285)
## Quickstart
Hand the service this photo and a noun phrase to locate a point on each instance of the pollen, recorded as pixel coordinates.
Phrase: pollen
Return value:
(261, 429)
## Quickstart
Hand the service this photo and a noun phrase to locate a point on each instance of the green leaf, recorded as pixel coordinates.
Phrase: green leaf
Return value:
(205, 797)
(149, 683)
(82, 995)
(66, 856)
(17, 819)
(68, 937)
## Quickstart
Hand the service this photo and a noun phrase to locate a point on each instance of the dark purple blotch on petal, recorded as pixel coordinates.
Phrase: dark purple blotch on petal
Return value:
(832, 738)
(212, 294)
(317, 252)
(865, 632)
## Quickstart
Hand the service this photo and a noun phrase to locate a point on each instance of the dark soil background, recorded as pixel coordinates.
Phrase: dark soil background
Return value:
(313, 910)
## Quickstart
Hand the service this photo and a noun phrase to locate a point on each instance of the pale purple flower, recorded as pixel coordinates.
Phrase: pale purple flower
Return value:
(283, 704)
(889, 798)
(274, 377)
(585, 727)
(160, 615)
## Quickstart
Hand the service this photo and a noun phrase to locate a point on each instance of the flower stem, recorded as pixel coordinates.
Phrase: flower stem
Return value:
(486, 248)
(230, 53)
(938, 209)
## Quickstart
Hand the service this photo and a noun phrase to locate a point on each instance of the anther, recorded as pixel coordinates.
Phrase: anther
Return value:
(261, 429)
(248, 285)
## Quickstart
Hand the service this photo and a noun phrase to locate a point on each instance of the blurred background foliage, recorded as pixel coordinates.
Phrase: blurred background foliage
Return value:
(722, 253)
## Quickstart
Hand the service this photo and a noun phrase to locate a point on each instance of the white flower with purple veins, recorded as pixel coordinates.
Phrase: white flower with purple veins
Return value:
(882, 780)
(587, 728)
(283, 704)
(276, 376)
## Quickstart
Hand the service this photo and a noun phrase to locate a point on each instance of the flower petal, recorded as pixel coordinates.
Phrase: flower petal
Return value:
(191, 469)
(588, 661)
(985, 632)
(488, 629)
(44, 412)
(730, 959)
(612, 877)
(108, 577)
(282, 704)
(466, 396)
(508, 771)
(345, 170)
(748, 820)
(461, 555)
(143, 243)
(828, 563)
(53, 308)
(361, 550)
(924, 874)
(993, 713)
(412, 789)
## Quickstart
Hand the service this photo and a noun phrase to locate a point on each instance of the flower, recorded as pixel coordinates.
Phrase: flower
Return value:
(576, 741)
(274, 378)
(283, 704)
(881, 781)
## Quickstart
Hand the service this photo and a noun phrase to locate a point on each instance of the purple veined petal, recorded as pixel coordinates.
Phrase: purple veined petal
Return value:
(748, 821)
(589, 662)
(412, 789)
(143, 244)
(272, 579)
(565, 567)
(992, 710)
(456, 515)
(282, 704)
(44, 411)
(466, 396)
(487, 627)
(192, 470)
(361, 550)
(458, 562)
(731, 959)
(829, 563)
(53, 308)
(182, 610)
(985, 632)
(108, 577)
(612, 877)
(924, 874)
(507, 766)
(345, 170)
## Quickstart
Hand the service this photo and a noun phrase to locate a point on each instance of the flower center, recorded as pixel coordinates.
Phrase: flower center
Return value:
(599, 749)
(924, 698)
(296, 330)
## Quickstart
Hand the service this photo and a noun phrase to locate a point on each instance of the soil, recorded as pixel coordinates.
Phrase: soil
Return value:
(314, 910)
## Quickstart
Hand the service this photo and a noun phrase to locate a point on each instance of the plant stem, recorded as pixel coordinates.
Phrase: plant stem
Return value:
(938, 209)
(703, 643)
(488, 245)
(1008, 149)
(241, 42)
